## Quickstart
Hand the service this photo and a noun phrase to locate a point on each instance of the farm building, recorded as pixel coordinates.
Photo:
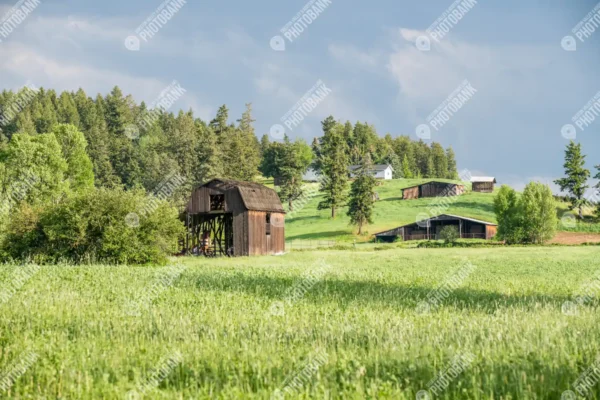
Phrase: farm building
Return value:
(483, 184)
(225, 217)
(429, 229)
(378, 171)
(433, 189)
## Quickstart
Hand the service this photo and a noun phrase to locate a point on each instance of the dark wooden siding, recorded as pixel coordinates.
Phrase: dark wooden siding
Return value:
(200, 201)
(483, 187)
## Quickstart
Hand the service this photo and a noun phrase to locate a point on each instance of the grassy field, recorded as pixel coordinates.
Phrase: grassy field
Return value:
(337, 324)
(308, 223)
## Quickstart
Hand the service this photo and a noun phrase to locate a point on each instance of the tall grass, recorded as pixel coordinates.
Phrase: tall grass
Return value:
(361, 313)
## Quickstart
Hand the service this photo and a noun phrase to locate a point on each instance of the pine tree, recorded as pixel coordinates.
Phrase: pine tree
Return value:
(264, 144)
(219, 123)
(440, 161)
(334, 169)
(430, 168)
(209, 156)
(360, 205)
(452, 169)
(577, 176)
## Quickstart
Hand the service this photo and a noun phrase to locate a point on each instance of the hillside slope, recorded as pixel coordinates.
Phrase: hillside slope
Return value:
(390, 211)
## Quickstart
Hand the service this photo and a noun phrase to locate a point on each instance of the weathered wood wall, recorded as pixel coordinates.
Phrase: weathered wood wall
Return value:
(411, 193)
(258, 241)
(490, 231)
(483, 187)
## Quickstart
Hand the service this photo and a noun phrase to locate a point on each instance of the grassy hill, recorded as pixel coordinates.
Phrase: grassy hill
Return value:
(390, 211)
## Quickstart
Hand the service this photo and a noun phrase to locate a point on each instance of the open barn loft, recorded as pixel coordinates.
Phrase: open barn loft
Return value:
(225, 217)
(433, 189)
(429, 229)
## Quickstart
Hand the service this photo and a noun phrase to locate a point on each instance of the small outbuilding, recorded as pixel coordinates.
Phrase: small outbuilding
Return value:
(483, 184)
(430, 228)
(433, 189)
(383, 171)
(225, 217)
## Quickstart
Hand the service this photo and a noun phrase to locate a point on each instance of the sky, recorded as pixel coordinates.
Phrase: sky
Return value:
(369, 56)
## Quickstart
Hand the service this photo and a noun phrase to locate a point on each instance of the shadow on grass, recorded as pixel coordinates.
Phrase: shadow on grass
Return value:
(349, 293)
(318, 235)
(304, 218)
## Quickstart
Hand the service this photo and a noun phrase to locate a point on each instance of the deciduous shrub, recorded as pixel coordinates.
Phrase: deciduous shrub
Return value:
(449, 234)
(94, 226)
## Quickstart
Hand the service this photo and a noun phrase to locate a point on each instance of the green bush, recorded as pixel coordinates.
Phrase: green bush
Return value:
(95, 225)
(449, 234)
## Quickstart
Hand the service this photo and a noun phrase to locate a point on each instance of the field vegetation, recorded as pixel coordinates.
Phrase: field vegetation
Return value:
(233, 328)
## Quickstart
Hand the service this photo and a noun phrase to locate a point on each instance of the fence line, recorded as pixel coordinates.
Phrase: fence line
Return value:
(308, 244)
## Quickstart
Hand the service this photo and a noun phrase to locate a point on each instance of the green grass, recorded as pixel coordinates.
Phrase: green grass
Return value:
(362, 314)
(308, 223)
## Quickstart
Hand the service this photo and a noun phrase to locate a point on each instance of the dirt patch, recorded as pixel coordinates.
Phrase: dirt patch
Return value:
(575, 238)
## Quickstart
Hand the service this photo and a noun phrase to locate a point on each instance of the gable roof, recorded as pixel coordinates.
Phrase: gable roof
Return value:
(439, 217)
(376, 168)
(256, 197)
(489, 179)
(433, 181)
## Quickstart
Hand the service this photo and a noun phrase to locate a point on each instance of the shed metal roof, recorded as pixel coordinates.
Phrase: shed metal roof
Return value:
(489, 179)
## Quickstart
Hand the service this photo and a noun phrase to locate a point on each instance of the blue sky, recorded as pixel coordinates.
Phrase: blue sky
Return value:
(528, 86)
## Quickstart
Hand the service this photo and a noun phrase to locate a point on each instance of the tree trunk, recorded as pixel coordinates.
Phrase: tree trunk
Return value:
(333, 212)
(291, 205)
(581, 212)
(359, 229)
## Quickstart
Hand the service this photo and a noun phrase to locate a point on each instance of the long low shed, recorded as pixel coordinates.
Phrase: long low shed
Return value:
(430, 228)
(433, 189)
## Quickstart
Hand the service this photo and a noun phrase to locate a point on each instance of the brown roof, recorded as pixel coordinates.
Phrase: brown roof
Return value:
(256, 197)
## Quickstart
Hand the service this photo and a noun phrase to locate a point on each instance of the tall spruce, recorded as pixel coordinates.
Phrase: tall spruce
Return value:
(575, 182)
(361, 203)
(335, 164)
(452, 169)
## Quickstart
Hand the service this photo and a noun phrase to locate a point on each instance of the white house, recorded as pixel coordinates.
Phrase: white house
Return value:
(379, 171)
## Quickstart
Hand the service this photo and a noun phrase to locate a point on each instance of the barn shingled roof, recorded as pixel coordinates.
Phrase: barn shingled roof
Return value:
(256, 197)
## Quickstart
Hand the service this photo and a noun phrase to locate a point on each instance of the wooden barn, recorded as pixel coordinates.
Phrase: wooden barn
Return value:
(225, 217)
(430, 228)
(483, 184)
(433, 189)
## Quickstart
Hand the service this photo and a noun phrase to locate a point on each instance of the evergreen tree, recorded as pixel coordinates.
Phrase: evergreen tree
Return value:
(440, 161)
(264, 144)
(452, 169)
(360, 205)
(209, 156)
(219, 123)
(575, 181)
(430, 171)
(334, 169)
